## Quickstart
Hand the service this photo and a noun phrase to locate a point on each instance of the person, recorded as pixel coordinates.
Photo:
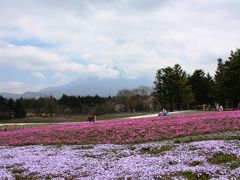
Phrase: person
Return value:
(164, 112)
(221, 108)
(94, 117)
(217, 106)
(90, 117)
(204, 107)
(167, 113)
(160, 113)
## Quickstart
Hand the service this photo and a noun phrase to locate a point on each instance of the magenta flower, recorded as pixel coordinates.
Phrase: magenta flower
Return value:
(125, 130)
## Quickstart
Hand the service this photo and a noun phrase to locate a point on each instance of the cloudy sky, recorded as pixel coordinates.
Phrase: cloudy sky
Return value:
(51, 42)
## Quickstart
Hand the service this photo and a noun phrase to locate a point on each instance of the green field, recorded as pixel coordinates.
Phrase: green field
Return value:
(13, 124)
(70, 118)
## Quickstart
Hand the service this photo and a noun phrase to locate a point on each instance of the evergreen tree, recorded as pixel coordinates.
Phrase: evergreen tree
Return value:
(172, 88)
(219, 78)
(19, 109)
(202, 87)
(227, 78)
(3, 108)
(10, 104)
(232, 78)
(50, 105)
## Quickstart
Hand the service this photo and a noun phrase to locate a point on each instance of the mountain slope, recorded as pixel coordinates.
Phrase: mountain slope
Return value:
(93, 86)
(86, 86)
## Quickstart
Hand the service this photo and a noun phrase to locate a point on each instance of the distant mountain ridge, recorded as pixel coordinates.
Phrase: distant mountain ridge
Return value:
(86, 86)
(24, 95)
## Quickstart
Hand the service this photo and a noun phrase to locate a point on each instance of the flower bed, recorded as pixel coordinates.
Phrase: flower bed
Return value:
(196, 160)
(126, 130)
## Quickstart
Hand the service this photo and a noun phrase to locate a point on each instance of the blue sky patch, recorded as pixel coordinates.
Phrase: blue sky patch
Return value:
(31, 42)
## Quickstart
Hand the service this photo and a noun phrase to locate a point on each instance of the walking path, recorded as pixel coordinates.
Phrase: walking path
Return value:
(171, 113)
(21, 124)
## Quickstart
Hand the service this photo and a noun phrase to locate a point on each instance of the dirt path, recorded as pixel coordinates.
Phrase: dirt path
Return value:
(171, 113)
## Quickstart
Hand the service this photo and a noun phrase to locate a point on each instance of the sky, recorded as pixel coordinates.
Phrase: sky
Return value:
(52, 42)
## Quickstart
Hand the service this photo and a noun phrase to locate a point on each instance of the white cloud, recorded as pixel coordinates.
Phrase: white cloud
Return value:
(19, 87)
(35, 59)
(39, 75)
(139, 35)
(61, 78)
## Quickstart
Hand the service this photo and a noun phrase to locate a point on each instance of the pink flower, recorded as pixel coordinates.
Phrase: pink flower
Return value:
(125, 131)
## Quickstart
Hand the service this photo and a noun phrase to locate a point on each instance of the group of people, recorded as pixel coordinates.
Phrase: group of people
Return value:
(92, 117)
(163, 112)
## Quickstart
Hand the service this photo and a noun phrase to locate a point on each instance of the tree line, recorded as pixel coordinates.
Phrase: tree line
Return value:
(173, 89)
(10, 108)
(125, 101)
